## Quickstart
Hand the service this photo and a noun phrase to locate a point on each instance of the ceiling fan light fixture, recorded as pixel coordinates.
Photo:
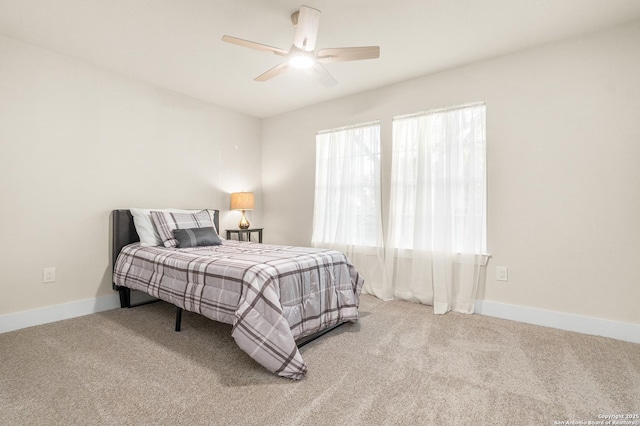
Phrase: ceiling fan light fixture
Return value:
(301, 61)
(302, 54)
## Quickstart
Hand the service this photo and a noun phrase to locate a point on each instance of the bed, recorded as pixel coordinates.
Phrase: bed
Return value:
(274, 296)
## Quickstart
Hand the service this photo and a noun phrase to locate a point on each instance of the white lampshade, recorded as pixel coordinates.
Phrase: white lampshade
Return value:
(242, 201)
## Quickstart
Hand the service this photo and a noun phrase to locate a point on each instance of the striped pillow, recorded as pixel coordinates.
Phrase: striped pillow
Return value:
(166, 222)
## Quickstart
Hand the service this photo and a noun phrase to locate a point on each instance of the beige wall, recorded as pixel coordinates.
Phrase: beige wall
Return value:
(563, 151)
(563, 132)
(76, 142)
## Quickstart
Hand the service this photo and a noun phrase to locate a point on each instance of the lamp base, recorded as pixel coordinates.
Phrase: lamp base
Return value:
(244, 223)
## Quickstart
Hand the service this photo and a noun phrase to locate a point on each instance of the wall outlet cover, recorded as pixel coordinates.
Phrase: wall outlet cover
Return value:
(502, 273)
(49, 275)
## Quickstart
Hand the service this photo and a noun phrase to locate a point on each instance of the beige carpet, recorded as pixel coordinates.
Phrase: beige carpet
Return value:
(399, 365)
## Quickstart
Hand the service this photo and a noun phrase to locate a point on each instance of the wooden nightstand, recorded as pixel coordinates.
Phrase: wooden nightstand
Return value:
(247, 232)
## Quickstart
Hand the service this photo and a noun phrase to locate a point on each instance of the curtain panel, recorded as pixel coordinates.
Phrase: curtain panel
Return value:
(436, 241)
(347, 205)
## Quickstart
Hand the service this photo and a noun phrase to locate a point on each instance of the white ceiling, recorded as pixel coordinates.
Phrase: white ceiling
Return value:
(176, 44)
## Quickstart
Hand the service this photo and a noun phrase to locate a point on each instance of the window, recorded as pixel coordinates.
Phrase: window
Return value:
(436, 241)
(438, 183)
(347, 209)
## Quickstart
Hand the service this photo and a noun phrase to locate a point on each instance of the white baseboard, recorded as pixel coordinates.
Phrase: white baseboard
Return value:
(587, 325)
(39, 316)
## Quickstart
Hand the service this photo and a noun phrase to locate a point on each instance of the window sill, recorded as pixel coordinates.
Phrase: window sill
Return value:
(480, 259)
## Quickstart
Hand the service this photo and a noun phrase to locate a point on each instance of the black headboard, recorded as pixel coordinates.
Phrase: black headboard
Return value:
(124, 232)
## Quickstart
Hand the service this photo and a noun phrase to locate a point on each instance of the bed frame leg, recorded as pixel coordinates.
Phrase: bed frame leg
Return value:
(125, 297)
(178, 318)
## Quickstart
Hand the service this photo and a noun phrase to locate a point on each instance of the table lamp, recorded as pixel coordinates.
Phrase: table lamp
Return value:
(242, 201)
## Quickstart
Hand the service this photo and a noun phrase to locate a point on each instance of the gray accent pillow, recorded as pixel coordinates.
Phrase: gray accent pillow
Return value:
(196, 237)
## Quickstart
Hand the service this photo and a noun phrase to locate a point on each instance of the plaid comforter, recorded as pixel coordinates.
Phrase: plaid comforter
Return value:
(271, 294)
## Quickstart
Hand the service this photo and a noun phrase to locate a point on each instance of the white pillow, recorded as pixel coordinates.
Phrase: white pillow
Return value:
(148, 234)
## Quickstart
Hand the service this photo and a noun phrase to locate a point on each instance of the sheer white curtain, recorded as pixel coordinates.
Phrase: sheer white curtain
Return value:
(347, 207)
(436, 240)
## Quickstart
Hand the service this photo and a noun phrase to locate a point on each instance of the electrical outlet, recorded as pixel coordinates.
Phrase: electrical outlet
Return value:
(502, 273)
(49, 275)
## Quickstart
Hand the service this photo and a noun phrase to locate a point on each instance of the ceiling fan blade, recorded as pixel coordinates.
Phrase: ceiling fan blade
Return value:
(340, 54)
(307, 24)
(254, 45)
(323, 76)
(277, 70)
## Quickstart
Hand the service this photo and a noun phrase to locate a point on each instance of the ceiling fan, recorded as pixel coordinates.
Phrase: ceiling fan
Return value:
(302, 55)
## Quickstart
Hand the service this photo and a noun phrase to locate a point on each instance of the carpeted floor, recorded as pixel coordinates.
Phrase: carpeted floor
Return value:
(399, 365)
